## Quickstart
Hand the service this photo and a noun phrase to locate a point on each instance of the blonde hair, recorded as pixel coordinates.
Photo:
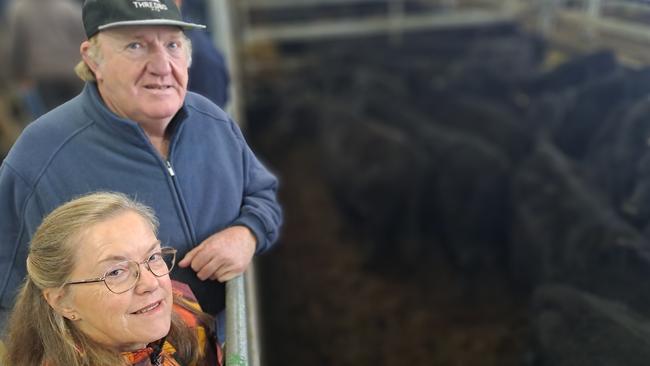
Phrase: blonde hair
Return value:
(85, 73)
(36, 333)
(94, 53)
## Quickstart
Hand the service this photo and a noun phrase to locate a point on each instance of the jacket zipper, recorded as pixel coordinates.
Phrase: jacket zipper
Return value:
(184, 213)
(170, 169)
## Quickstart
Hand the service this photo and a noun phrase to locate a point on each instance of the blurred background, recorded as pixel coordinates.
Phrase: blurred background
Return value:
(465, 182)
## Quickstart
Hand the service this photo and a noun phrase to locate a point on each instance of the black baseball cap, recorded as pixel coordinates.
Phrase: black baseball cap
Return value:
(103, 14)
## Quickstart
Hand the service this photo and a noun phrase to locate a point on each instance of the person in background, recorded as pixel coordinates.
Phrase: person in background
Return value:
(208, 75)
(44, 37)
(196, 10)
(98, 292)
(3, 8)
(135, 129)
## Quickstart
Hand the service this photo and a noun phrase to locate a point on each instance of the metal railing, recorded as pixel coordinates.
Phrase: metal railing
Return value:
(242, 345)
(242, 328)
(618, 25)
(236, 347)
(274, 4)
(394, 18)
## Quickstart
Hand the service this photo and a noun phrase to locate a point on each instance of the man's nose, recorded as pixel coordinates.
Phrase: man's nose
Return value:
(159, 61)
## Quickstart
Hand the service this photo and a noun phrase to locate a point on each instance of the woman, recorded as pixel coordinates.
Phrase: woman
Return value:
(98, 293)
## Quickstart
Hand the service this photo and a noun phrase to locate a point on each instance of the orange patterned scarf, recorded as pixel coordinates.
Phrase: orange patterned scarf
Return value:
(143, 357)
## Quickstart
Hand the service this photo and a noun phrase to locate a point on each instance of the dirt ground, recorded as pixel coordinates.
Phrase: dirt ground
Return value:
(322, 305)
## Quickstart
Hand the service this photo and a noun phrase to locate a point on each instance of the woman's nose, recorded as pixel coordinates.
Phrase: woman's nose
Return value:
(147, 281)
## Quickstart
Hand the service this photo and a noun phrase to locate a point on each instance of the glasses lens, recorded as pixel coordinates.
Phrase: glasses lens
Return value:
(162, 263)
(122, 276)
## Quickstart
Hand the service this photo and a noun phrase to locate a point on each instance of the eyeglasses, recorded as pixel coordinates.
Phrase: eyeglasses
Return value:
(123, 276)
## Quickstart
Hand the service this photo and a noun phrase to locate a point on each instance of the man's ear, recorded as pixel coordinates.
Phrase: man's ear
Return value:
(90, 62)
(58, 300)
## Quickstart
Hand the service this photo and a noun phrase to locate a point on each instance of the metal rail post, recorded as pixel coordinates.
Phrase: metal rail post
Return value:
(222, 27)
(236, 347)
(593, 8)
(242, 346)
(547, 16)
(252, 314)
(396, 9)
(593, 13)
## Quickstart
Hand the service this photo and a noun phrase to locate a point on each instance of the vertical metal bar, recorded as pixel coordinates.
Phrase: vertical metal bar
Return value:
(396, 9)
(236, 347)
(245, 8)
(242, 336)
(547, 15)
(593, 13)
(254, 333)
(222, 14)
(593, 8)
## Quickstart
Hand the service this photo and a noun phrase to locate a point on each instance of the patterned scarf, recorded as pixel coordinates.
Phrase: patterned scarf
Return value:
(153, 355)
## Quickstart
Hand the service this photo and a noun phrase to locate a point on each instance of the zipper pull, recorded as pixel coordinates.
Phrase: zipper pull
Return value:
(170, 169)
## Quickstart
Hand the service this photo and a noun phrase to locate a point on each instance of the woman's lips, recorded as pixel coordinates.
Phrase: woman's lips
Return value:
(148, 308)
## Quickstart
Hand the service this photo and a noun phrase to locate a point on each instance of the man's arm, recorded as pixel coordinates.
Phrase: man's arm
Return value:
(228, 253)
(14, 233)
(260, 210)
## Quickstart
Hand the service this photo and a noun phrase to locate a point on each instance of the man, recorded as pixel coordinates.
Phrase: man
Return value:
(135, 129)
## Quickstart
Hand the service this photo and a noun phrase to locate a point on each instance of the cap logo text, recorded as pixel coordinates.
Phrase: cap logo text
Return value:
(154, 5)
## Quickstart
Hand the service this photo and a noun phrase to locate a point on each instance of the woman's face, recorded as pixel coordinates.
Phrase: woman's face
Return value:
(130, 320)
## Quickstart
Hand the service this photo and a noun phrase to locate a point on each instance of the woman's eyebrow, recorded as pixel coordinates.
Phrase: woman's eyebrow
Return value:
(123, 258)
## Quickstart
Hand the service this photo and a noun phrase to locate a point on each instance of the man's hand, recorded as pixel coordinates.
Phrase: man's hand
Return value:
(223, 255)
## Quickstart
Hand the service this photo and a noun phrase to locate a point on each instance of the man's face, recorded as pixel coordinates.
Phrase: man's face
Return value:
(142, 72)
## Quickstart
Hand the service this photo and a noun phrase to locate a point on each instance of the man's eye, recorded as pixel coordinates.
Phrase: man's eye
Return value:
(134, 46)
(174, 45)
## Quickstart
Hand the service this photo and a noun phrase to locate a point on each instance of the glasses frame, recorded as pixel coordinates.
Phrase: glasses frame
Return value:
(163, 251)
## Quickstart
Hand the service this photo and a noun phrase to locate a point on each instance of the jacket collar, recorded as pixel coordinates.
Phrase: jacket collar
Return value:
(95, 107)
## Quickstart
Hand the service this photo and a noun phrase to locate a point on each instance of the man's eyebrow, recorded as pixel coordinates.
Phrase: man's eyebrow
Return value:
(144, 35)
(123, 258)
(127, 37)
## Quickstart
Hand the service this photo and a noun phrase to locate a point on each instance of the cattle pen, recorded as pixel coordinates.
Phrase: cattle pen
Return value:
(555, 111)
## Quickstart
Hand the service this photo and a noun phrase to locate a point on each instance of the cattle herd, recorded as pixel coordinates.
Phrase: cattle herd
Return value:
(472, 144)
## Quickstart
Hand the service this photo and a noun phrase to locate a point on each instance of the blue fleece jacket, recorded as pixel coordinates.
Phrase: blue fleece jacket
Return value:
(210, 181)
